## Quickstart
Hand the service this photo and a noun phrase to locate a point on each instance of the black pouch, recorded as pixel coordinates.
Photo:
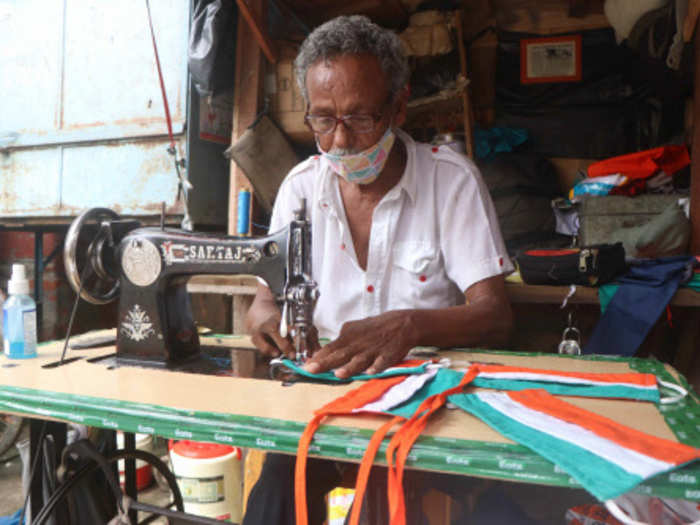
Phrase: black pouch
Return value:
(588, 266)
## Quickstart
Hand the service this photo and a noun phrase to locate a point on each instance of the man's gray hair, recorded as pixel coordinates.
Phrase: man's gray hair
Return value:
(353, 35)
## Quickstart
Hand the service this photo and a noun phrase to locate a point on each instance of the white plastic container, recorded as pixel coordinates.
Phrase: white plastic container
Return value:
(19, 317)
(209, 477)
(144, 472)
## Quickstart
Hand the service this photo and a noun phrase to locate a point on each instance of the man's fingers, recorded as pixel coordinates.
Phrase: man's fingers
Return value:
(326, 359)
(265, 347)
(381, 363)
(314, 343)
(357, 364)
(282, 343)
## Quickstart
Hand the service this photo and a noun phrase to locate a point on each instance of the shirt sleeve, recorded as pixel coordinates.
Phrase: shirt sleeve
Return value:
(289, 197)
(283, 209)
(470, 236)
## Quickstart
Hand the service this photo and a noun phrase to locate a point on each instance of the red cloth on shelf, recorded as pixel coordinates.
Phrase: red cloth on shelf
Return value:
(643, 164)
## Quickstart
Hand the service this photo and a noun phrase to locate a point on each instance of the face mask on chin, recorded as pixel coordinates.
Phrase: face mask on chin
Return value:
(363, 167)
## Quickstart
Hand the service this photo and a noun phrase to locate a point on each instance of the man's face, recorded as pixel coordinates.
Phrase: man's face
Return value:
(350, 85)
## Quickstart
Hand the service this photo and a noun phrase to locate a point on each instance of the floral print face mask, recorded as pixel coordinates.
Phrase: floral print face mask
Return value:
(363, 167)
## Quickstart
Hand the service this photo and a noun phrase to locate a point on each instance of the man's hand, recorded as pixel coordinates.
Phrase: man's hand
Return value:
(369, 345)
(265, 335)
(263, 325)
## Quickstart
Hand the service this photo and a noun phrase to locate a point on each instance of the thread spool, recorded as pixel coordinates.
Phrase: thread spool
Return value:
(243, 218)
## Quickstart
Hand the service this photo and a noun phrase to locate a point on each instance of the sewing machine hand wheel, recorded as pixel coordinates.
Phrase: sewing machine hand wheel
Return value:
(85, 244)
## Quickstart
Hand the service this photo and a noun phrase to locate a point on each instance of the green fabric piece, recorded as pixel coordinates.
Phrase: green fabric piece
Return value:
(694, 283)
(605, 295)
(330, 377)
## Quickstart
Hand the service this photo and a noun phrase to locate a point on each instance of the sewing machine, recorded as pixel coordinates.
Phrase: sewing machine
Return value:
(147, 268)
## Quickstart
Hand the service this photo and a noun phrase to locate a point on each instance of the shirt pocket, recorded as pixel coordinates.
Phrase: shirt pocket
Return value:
(418, 279)
(414, 257)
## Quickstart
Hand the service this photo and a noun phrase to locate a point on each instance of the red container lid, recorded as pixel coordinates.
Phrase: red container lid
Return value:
(199, 450)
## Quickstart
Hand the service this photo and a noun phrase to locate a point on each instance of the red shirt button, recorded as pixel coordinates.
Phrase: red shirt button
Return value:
(435, 149)
(342, 246)
(500, 261)
(370, 288)
(422, 278)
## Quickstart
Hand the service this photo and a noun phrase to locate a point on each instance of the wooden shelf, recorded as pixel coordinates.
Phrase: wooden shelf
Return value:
(526, 293)
(223, 284)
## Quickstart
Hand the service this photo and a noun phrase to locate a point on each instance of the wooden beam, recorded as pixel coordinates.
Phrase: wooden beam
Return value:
(246, 103)
(258, 31)
(466, 99)
(695, 153)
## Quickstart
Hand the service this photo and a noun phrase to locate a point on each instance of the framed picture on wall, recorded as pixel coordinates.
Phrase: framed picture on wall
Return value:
(550, 59)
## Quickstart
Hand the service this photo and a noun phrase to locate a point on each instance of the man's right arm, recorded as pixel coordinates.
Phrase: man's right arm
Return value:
(263, 325)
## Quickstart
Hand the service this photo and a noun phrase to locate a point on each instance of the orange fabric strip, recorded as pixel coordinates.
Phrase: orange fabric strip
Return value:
(403, 441)
(358, 397)
(627, 437)
(300, 469)
(366, 467)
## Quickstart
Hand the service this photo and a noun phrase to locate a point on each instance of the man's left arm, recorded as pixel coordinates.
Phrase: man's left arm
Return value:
(379, 342)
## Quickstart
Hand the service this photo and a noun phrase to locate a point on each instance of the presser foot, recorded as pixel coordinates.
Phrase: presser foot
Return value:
(280, 372)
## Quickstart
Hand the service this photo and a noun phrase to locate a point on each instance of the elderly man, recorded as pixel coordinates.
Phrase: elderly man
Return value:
(406, 246)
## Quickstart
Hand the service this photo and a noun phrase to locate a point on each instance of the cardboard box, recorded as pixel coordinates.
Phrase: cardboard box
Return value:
(287, 104)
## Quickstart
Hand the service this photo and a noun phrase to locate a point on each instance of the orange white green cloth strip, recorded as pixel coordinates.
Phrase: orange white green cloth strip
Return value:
(633, 385)
(607, 458)
(638, 386)
(413, 398)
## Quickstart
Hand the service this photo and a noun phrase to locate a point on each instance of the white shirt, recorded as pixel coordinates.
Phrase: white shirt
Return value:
(433, 235)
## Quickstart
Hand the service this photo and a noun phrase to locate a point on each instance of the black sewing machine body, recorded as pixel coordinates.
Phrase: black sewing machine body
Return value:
(150, 267)
(155, 317)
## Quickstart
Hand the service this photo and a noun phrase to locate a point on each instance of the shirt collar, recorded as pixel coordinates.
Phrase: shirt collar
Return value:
(408, 181)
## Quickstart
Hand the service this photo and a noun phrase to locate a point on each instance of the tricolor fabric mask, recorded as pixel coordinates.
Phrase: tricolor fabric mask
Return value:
(363, 167)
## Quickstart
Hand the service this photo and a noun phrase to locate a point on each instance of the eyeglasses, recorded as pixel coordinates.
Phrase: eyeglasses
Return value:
(325, 124)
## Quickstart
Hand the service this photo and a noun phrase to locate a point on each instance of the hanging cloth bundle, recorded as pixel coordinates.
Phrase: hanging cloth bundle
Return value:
(580, 442)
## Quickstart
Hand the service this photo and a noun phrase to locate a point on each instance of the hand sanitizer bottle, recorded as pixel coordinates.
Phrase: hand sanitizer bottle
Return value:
(19, 317)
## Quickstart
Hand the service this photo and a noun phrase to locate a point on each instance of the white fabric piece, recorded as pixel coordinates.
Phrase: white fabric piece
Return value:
(567, 220)
(630, 460)
(531, 376)
(647, 509)
(398, 393)
(433, 235)
(675, 52)
(623, 14)
(569, 295)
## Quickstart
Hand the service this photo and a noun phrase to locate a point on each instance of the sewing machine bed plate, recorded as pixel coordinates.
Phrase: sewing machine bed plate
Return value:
(260, 413)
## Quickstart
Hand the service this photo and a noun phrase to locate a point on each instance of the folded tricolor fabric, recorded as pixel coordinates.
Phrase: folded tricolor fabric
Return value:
(605, 457)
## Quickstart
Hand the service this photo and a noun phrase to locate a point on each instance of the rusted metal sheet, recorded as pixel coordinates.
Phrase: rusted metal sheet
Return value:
(81, 113)
(130, 177)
